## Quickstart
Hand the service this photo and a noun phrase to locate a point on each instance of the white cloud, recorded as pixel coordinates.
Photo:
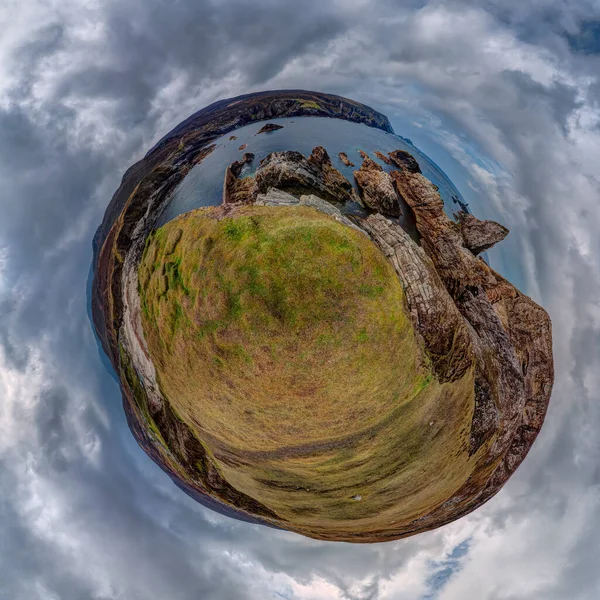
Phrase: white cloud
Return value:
(519, 115)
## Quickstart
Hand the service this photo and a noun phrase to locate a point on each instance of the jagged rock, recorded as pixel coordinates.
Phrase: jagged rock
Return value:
(232, 137)
(291, 172)
(275, 197)
(404, 160)
(440, 237)
(332, 178)
(479, 235)
(467, 316)
(243, 147)
(382, 157)
(363, 154)
(344, 158)
(237, 166)
(377, 189)
(269, 127)
(236, 190)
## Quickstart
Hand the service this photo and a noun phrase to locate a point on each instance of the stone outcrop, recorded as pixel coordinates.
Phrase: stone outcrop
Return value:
(377, 190)
(479, 235)
(494, 311)
(344, 158)
(292, 172)
(236, 190)
(404, 160)
(269, 127)
(381, 156)
(275, 197)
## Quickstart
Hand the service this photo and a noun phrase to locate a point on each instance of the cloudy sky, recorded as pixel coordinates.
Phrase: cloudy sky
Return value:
(503, 94)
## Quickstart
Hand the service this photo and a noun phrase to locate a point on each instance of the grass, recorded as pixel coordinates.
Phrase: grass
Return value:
(309, 104)
(282, 338)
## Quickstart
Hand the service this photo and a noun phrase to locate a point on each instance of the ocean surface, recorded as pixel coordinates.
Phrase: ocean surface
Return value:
(203, 186)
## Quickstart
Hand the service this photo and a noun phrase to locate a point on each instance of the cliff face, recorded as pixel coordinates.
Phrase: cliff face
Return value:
(480, 236)
(503, 333)
(292, 172)
(466, 316)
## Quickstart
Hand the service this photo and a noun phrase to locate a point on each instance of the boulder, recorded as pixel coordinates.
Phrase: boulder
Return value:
(479, 235)
(269, 127)
(377, 189)
(404, 160)
(292, 172)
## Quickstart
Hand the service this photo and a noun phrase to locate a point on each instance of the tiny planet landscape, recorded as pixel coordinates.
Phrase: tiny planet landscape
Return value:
(307, 332)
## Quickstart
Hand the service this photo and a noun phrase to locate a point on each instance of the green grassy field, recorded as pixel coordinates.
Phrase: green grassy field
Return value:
(282, 338)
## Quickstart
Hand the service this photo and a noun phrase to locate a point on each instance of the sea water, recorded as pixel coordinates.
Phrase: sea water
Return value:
(203, 185)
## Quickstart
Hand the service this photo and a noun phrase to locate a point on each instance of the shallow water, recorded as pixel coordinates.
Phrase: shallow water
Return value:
(203, 185)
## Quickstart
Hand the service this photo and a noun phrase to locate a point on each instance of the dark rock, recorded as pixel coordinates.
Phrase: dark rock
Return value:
(404, 160)
(269, 127)
(377, 189)
(291, 172)
(243, 147)
(478, 235)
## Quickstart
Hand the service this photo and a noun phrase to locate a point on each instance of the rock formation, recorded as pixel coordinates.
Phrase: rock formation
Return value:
(377, 190)
(237, 190)
(291, 172)
(269, 127)
(344, 158)
(478, 235)
(382, 157)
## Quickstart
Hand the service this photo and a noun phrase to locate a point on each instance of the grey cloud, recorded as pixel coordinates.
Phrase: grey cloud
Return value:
(111, 525)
